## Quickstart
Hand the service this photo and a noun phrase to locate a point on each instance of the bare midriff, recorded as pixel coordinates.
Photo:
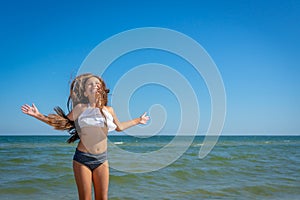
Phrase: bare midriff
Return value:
(93, 140)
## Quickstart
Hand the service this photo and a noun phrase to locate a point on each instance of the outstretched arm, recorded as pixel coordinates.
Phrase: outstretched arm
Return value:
(58, 121)
(34, 112)
(127, 124)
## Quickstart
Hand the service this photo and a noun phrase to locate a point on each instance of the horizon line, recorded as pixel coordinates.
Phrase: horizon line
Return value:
(147, 136)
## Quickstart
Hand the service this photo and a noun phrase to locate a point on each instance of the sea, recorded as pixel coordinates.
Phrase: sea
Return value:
(238, 167)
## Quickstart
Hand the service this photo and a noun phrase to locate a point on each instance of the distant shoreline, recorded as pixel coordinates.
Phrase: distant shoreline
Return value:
(145, 136)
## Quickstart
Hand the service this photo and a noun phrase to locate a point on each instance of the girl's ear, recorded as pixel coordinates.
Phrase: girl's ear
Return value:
(85, 94)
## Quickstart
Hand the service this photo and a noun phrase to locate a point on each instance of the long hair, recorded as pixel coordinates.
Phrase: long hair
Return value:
(60, 120)
(77, 90)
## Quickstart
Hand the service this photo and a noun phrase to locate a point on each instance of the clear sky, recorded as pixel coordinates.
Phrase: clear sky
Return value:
(255, 45)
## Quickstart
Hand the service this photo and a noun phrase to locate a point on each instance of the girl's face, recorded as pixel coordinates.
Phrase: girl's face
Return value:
(92, 86)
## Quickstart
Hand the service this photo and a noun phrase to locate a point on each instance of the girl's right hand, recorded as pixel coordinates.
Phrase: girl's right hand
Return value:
(30, 110)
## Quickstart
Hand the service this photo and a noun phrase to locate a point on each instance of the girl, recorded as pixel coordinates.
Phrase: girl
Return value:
(89, 120)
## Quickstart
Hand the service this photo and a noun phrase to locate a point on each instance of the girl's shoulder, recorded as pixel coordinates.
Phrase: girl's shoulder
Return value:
(109, 109)
(78, 109)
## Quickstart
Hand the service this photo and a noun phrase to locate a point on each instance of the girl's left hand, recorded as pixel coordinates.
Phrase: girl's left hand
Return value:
(144, 118)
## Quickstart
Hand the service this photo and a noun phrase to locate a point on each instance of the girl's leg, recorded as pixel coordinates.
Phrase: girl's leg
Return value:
(101, 181)
(83, 178)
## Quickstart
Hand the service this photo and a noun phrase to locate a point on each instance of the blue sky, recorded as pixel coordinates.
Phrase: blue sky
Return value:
(255, 45)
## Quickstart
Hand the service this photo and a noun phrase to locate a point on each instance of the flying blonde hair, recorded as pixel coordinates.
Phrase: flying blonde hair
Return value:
(60, 120)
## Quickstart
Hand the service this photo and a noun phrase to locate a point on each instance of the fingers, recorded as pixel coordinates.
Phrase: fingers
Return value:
(34, 108)
(25, 108)
(144, 114)
(144, 118)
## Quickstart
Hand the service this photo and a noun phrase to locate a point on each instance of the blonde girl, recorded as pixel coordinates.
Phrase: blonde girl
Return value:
(89, 120)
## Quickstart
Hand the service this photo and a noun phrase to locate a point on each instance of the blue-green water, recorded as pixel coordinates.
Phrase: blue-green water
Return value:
(40, 167)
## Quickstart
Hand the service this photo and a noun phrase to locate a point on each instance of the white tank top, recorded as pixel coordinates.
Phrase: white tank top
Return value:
(93, 117)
